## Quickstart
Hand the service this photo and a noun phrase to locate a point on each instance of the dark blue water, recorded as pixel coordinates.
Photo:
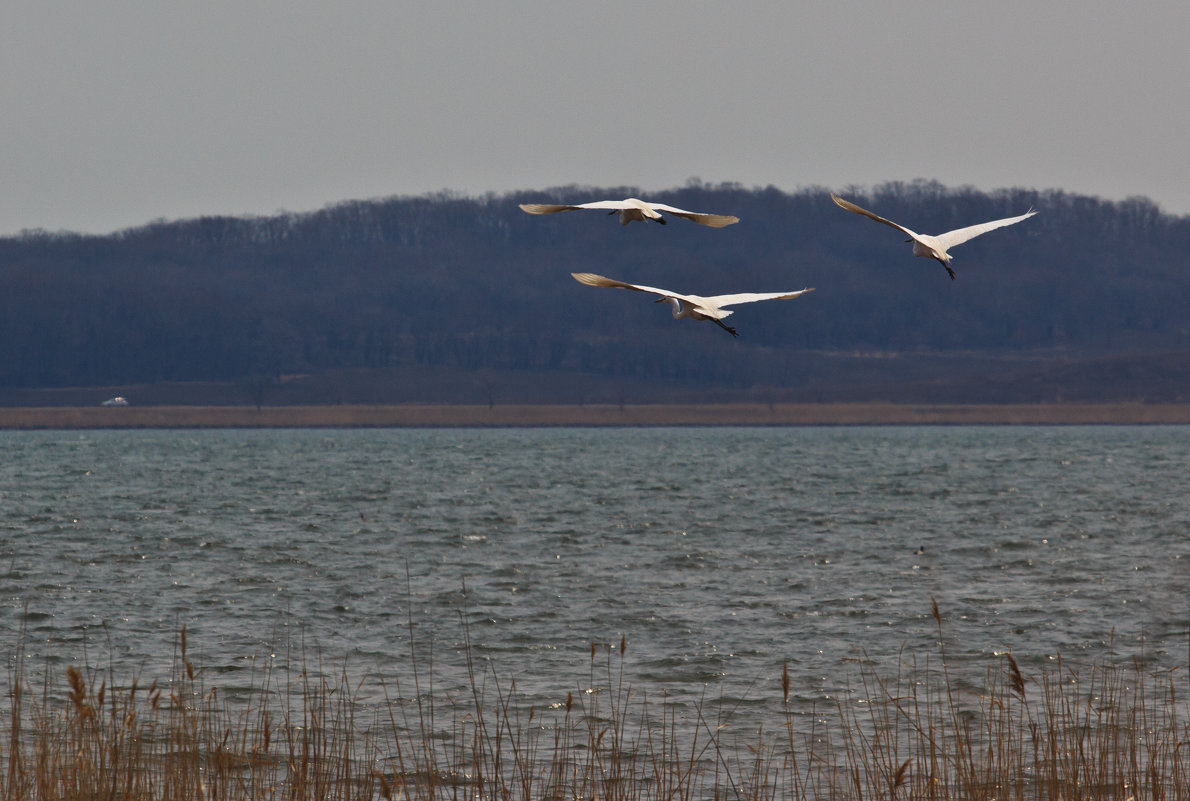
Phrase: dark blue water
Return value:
(718, 554)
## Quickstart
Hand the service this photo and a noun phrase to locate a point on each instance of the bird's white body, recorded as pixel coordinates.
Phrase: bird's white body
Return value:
(634, 210)
(935, 247)
(712, 308)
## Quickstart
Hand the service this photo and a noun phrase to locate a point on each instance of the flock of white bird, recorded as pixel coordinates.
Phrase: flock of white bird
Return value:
(714, 308)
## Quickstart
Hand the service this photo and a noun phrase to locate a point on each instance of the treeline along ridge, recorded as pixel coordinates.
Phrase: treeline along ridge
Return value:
(449, 285)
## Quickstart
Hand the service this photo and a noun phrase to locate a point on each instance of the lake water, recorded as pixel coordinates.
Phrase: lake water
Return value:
(718, 554)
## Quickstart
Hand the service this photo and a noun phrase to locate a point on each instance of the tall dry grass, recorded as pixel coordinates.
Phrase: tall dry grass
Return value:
(1111, 731)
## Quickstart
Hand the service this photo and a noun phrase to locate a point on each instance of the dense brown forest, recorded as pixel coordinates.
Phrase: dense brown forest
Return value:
(448, 298)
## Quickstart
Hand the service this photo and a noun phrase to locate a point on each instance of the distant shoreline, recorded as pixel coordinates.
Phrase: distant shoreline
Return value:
(629, 415)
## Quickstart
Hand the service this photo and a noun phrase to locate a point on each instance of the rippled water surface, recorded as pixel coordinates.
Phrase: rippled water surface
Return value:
(717, 553)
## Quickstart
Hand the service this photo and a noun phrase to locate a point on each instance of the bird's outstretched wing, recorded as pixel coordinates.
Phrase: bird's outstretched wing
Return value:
(709, 220)
(849, 206)
(961, 235)
(546, 208)
(721, 301)
(591, 279)
(554, 208)
(612, 204)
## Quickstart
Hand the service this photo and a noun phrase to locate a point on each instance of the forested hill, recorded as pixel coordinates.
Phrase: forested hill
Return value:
(450, 298)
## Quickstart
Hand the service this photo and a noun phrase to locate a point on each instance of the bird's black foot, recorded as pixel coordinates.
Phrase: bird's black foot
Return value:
(725, 327)
(661, 220)
(951, 272)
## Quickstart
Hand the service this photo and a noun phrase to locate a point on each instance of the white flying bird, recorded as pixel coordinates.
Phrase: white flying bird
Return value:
(935, 247)
(633, 210)
(697, 308)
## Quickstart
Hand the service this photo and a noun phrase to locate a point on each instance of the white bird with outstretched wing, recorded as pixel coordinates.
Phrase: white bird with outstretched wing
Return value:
(935, 247)
(634, 210)
(712, 308)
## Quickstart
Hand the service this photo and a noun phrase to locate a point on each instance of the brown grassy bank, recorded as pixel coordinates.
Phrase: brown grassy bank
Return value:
(525, 415)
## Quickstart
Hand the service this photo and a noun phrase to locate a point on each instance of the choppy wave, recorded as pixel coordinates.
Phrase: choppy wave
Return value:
(718, 554)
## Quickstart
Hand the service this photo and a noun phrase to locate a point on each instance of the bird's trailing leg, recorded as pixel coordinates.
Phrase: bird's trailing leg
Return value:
(726, 328)
(945, 263)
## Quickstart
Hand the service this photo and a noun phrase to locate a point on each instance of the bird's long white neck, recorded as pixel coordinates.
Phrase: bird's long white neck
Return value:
(678, 310)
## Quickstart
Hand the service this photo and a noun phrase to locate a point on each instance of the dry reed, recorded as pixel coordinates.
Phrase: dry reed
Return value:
(1113, 731)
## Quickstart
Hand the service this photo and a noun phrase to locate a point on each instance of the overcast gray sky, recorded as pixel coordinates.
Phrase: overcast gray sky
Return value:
(116, 113)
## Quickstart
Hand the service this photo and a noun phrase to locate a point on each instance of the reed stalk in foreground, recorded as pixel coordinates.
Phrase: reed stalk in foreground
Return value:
(1112, 731)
